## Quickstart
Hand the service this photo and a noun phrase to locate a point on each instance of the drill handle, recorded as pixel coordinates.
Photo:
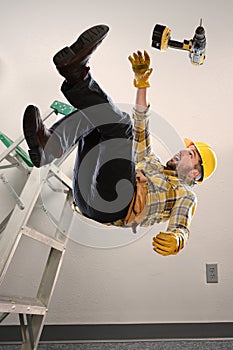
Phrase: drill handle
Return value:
(185, 45)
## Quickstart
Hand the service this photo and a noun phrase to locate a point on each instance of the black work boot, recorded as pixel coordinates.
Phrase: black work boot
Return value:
(38, 136)
(71, 61)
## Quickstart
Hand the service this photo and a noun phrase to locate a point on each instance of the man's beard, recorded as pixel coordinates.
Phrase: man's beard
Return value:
(171, 165)
(181, 169)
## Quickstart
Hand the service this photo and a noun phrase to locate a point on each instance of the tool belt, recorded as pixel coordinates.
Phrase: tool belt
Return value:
(137, 208)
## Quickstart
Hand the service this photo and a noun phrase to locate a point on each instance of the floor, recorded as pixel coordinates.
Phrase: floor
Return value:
(156, 345)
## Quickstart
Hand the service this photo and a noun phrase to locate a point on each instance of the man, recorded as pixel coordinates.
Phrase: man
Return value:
(117, 178)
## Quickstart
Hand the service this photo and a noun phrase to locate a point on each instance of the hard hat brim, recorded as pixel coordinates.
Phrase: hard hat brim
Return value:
(189, 142)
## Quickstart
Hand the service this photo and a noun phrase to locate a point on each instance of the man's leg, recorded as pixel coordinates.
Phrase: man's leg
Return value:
(71, 63)
(104, 173)
(104, 156)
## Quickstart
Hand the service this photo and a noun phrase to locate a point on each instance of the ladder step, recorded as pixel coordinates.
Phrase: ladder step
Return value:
(41, 237)
(22, 305)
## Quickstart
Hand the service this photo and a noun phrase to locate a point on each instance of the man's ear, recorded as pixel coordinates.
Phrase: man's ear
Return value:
(194, 173)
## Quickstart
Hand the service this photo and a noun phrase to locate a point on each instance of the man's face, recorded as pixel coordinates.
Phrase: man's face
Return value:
(184, 162)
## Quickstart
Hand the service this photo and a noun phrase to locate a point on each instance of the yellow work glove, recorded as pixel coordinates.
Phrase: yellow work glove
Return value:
(141, 68)
(169, 243)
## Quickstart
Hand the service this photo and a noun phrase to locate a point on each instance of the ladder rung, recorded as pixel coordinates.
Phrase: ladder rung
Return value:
(41, 237)
(60, 175)
(22, 305)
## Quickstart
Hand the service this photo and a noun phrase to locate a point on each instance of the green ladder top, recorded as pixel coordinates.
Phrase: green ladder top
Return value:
(62, 108)
(59, 108)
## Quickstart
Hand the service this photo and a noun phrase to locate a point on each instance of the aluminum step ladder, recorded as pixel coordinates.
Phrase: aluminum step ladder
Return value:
(32, 311)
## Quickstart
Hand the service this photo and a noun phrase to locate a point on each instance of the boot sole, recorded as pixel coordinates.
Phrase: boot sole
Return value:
(90, 39)
(30, 129)
(30, 126)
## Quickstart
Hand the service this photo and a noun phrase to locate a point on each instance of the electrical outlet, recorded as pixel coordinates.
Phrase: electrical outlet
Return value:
(211, 273)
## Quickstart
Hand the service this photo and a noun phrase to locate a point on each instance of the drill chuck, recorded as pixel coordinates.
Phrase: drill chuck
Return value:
(197, 52)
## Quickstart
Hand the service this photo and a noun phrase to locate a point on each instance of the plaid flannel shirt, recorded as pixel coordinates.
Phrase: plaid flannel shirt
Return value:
(168, 198)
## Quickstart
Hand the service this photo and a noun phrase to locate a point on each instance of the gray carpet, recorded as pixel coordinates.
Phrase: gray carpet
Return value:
(157, 345)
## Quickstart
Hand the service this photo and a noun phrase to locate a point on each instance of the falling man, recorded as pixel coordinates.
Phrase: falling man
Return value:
(117, 178)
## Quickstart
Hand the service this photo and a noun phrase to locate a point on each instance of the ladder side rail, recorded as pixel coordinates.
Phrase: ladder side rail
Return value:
(51, 271)
(54, 261)
(22, 327)
(32, 331)
(29, 330)
(13, 231)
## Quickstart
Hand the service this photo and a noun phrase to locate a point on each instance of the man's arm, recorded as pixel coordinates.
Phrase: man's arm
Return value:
(141, 104)
(178, 230)
(142, 138)
(142, 72)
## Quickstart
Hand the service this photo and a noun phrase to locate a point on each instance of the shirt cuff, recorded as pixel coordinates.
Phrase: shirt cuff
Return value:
(141, 115)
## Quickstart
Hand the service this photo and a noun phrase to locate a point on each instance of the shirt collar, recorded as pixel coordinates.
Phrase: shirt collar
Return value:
(179, 180)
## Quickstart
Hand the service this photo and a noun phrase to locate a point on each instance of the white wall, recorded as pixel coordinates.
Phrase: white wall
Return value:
(130, 283)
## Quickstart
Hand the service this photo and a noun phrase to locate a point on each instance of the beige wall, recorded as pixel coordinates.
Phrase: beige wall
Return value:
(130, 283)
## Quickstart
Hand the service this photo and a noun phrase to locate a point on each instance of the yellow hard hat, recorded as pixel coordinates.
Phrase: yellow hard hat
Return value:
(208, 157)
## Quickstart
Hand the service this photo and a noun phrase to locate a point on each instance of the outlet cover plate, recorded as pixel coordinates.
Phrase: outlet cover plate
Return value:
(211, 273)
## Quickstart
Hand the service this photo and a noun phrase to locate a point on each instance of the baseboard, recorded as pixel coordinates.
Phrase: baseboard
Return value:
(124, 332)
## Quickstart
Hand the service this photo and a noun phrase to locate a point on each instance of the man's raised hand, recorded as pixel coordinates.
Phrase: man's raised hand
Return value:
(141, 68)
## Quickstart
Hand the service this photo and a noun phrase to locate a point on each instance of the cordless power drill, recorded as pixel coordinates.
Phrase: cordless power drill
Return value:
(161, 40)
